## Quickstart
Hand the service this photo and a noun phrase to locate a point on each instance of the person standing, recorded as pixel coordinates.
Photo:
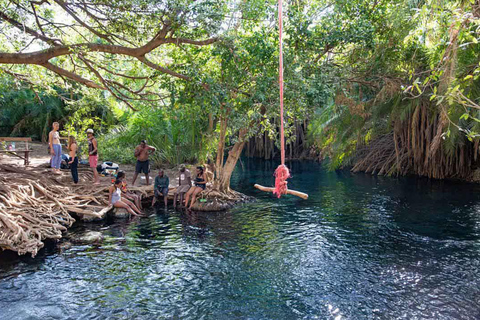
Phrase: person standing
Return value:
(55, 148)
(142, 152)
(184, 184)
(93, 155)
(73, 160)
(161, 187)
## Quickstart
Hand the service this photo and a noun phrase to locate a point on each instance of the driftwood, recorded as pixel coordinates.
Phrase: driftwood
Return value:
(36, 205)
(292, 192)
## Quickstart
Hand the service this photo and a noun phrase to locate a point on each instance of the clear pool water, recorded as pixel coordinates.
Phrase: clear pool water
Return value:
(361, 247)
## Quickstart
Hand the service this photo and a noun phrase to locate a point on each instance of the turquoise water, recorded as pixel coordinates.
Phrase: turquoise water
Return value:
(361, 247)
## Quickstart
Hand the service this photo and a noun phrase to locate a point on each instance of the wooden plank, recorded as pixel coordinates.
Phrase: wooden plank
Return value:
(15, 139)
(16, 150)
(292, 192)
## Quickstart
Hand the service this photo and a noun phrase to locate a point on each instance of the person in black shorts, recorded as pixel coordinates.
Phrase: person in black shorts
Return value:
(142, 152)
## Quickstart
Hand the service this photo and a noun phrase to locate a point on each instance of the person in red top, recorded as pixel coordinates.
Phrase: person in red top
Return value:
(137, 199)
(93, 155)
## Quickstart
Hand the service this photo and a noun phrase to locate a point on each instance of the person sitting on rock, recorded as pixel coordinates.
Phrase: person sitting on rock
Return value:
(115, 199)
(184, 184)
(161, 187)
(200, 184)
(137, 199)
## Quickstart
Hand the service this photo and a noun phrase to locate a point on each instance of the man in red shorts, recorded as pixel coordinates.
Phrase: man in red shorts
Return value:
(93, 155)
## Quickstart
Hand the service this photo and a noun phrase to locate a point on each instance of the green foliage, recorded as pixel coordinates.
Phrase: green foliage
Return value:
(397, 55)
(177, 134)
(29, 111)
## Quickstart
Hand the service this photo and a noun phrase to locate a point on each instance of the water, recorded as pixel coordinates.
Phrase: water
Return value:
(361, 247)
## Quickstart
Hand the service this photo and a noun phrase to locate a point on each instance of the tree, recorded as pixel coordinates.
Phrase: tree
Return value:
(150, 54)
(119, 46)
(405, 100)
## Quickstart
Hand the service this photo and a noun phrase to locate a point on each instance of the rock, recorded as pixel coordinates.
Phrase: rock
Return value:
(91, 237)
(89, 218)
(64, 246)
(121, 213)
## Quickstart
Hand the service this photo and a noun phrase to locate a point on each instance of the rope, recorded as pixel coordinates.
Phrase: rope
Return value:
(281, 173)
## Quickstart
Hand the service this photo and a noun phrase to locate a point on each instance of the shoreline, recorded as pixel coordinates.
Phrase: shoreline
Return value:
(37, 205)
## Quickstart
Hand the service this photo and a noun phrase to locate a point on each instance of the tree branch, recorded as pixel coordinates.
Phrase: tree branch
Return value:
(42, 56)
(74, 16)
(99, 76)
(162, 69)
(28, 30)
(324, 52)
(71, 75)
(190, 41)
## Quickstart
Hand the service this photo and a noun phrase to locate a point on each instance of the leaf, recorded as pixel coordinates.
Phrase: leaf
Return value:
(418, 88)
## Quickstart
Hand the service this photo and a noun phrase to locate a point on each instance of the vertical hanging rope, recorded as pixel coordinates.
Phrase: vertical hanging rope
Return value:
(281, 173)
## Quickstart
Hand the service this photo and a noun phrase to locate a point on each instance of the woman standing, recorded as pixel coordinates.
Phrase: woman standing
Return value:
(200, 184)
(73, 160)
(55, 148)
(93, 155)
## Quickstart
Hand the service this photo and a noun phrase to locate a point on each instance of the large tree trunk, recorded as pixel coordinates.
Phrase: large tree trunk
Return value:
(223, 180)
(221, 146)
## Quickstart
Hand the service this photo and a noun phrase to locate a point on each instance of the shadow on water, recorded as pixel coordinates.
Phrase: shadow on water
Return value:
(360, 247)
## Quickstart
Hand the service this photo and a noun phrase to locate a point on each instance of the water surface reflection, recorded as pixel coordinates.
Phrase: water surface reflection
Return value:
(361, 247)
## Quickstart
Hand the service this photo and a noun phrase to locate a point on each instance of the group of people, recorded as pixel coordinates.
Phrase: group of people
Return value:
(119, 196)
(55, 148)
(184, 189)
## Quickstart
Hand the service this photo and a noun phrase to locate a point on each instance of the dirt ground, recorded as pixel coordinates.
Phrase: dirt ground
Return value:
(39, 157)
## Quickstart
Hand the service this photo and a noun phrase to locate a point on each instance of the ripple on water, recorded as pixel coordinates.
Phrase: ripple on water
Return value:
(361, 247)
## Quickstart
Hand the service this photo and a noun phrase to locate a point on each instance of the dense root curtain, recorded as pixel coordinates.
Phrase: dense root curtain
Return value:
(415, 147)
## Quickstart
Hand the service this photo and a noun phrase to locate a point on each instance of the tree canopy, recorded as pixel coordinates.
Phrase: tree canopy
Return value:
(385, 86)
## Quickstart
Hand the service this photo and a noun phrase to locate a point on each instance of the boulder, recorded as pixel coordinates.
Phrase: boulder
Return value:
(90, 237)
(120, 213)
